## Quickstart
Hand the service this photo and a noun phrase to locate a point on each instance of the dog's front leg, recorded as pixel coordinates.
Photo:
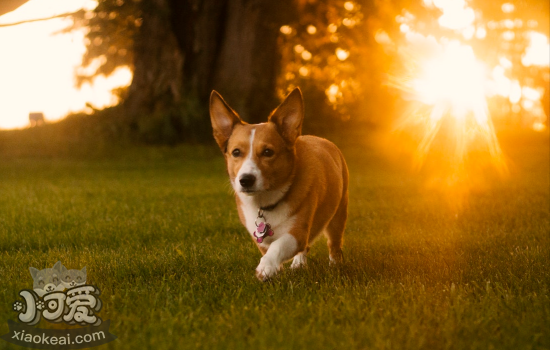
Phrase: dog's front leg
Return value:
(278, 252)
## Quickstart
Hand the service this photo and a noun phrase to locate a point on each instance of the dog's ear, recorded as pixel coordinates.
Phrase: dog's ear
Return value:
(223, 119)
(288, 117)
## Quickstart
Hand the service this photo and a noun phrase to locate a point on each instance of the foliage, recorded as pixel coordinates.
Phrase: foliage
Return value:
(332, 47)
(356, 51)
(185, 121)
(350, 55)
(111, 30)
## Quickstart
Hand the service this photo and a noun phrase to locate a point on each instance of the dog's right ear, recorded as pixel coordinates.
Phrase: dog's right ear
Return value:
(223, 119)
(288, 117)
(33, 271)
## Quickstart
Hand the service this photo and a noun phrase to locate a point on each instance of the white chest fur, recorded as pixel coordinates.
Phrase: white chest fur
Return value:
(279, 218)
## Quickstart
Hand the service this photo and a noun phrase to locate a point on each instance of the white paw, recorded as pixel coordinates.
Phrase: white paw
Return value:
(335, 262)
(266, 271)
(300, 260)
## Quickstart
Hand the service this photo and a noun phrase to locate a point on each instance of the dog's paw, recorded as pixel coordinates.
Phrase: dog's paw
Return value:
(264, 271)
(336, 259)
(299, 261)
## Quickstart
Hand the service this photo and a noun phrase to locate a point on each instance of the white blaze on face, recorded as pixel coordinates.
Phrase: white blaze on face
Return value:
(250, 167)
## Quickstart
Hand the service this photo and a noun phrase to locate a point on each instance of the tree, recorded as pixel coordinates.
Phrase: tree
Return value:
(344, 54)
(330, 50)
(180, 51)
(245, 49)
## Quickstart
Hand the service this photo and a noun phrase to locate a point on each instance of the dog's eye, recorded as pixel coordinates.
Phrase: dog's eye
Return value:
(236, 152)
(41, 283)
(268, 152)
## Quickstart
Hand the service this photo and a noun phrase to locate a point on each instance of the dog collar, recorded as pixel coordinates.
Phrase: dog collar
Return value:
(274, 205)
(269, 207)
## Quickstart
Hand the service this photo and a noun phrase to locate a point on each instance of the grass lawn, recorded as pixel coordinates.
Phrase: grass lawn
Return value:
(158, 232)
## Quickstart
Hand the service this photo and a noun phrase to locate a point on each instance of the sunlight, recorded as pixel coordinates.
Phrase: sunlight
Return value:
(538, 51)
(452, 85)
(456, 14)
(38, 74)
(455, 77)
(449, 84)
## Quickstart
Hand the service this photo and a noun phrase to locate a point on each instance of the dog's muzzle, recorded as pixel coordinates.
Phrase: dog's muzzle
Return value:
(247, 181)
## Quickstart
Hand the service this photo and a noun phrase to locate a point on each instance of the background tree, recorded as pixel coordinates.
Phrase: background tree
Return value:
(331, 51)
(180, 51)
(255, 51)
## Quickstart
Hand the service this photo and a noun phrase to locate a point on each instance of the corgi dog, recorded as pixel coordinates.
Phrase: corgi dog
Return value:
(289, 188)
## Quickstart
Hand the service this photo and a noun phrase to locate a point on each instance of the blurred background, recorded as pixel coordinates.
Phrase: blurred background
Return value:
(142, 70)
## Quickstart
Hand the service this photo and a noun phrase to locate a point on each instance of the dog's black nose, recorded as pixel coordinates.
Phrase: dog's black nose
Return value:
(247, 180)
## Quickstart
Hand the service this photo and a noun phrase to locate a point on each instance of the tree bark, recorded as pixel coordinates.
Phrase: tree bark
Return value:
(249, 60)
(231, 46)
(158, 62)
(186, 48)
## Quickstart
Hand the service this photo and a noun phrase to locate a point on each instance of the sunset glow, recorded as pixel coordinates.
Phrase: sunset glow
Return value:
(454, 76)
(37, 67)
(451, 82)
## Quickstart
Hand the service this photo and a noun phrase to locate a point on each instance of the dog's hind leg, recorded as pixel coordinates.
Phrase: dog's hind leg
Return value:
(335, 231)
(300, 259)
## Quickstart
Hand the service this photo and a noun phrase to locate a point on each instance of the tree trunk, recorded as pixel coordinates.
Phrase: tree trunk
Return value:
(186, 48)
(249, 60)
(158, 62)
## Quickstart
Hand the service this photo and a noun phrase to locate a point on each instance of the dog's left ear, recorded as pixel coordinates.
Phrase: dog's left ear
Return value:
(289, 116)
(223, 119)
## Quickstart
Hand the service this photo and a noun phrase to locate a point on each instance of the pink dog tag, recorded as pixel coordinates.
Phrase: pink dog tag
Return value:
(262, 228)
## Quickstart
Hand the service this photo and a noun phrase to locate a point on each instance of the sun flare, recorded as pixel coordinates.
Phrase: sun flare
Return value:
(455, 77)
(453, 82)
(449, 86)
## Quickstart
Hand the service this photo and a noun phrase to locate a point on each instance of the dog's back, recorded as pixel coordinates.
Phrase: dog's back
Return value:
(321, 186)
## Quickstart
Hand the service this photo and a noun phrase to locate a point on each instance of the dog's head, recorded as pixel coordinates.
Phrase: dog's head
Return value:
(259, 157)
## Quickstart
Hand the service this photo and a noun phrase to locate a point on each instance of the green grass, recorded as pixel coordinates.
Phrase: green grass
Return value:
(158, 232)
